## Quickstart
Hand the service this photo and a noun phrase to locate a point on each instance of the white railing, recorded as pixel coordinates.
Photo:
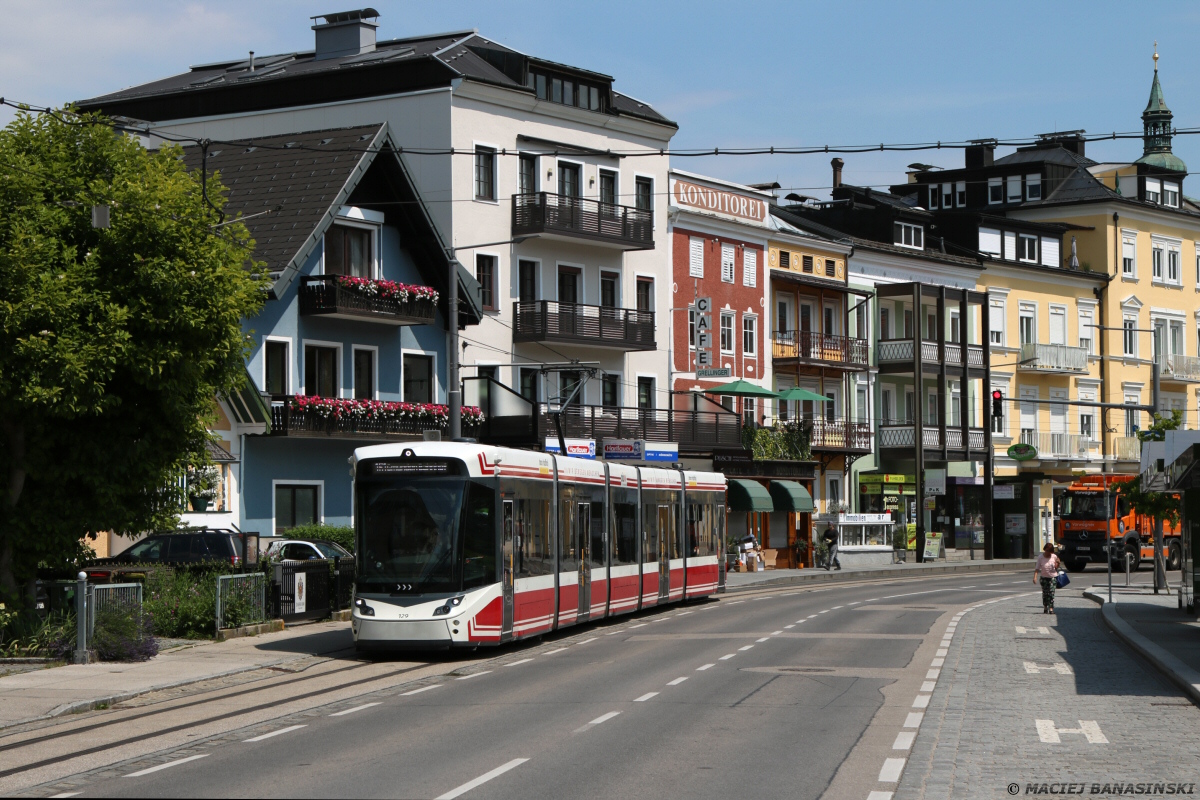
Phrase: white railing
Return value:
(1180, 368)
(1053, 358)
(1058, 445)
(1128, 448)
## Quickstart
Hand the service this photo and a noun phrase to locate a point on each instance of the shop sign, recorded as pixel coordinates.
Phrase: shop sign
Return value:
(871, 488)
(1003, 491)
(732, 456)
(717, 201)
(1022, 452)
(704, 328)
(881, 477)
(301, 594)
(714, 372)
(933, 544)
(935, 481)
(930, 503)
(864, 519)
(579, 448)
(910, 533)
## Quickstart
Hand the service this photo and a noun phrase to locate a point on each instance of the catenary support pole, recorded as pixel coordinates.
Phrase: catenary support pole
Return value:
(453, 390)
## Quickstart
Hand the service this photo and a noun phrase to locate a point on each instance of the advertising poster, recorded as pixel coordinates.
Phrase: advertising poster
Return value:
(301, 592)
(933, 545)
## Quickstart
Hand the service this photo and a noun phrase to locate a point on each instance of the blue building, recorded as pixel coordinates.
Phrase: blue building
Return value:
(350, 348)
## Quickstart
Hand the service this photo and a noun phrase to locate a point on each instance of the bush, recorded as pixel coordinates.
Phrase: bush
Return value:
(124, 634)
(28, 635)
(182, 603)
(341, 534)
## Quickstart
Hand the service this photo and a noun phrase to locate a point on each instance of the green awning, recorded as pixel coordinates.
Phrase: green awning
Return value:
(796, 393)
(790, 496)
(747, 495)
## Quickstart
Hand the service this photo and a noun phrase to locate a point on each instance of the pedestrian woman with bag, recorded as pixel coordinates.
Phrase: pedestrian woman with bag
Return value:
(1046, 572)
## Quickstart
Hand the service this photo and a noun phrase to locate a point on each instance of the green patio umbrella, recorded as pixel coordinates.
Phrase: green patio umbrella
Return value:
(741, 388)
(796, 393)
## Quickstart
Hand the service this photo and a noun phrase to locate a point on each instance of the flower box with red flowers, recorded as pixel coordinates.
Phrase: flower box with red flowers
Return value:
(335, 415)
(345, 296)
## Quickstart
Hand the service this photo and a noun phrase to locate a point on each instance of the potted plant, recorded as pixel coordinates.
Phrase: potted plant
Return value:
(202, 485)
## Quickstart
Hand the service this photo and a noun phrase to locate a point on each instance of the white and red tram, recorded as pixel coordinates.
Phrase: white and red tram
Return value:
(467, 545)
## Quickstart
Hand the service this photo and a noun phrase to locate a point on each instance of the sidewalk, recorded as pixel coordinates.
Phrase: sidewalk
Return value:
(1156, 628)
(29, 696)
(746, 581)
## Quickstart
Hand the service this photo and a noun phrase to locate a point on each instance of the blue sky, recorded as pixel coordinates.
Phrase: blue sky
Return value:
(731, 74)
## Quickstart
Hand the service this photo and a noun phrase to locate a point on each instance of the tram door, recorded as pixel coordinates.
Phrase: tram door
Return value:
(583, 544)
(508, 567)
(666, 544)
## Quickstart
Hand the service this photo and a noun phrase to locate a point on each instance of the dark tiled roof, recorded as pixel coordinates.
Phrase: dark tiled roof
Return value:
(811, 226)
(1041, 155)
(303, 174)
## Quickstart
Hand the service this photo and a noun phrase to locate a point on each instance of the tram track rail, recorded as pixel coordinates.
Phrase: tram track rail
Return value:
(58, 736)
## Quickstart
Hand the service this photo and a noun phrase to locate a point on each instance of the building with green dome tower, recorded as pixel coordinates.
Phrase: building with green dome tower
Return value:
(1157, 158)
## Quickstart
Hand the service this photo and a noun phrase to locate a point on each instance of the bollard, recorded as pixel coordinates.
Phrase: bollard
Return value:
(1128, 558)
(81, 653)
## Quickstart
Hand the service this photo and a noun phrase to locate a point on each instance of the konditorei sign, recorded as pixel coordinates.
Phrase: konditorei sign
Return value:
(719, 201)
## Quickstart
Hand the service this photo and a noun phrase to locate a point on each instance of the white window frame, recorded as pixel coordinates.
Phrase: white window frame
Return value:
(1153, 190)
(1061, 310)
(695, 266)
(992, 184)
(997, 316)
(1174, 267)
(1130, 238)
(1031, 181)
(475, 146)
(1013, 192)
(727, 248)
(374, 351)
(750, 320)
(947, 195)
(1170, 189)
(320, 484)
(732, 317)
(290, 381)
(341, 363)
(960, 194)
(1156, 262)
(999, 238)
(904, 228)
(1129, 339)
(1027, 310)
(1023, 240)
(353, 217)
(1087, 318)
(436, 380)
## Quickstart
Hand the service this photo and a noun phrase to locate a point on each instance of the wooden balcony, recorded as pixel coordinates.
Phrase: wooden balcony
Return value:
(826, 350)
(559, 216)
(575, 323)
(321, 295)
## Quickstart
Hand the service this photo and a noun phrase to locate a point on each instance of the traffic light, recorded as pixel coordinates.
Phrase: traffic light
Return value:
(997, 404)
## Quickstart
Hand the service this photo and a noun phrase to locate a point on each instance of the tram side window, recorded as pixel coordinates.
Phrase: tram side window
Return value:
(625, 533)
(568, 559)
(670, 530)
(535, 556)
(479, 537)
(596, 553)
(650, 541)
(699, 530)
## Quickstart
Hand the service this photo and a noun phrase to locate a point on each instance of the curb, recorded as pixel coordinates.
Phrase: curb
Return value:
(1175, 670)
(270, 626)
(814, 576)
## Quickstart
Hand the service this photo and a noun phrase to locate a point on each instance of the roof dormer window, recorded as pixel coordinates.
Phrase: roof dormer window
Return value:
(1033, 187)
(567, 90)
(1153, 190)
(1171, 194)
(907, 235)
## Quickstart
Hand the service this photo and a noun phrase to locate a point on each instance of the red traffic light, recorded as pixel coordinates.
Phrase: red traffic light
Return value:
(997, 395)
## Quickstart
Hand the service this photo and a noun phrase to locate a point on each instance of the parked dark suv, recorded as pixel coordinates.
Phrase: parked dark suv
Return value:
(188, 547)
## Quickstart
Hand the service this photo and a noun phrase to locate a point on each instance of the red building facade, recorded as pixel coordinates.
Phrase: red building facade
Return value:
(718, 234)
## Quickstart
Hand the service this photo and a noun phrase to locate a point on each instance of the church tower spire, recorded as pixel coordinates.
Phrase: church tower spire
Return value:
(1156, 129)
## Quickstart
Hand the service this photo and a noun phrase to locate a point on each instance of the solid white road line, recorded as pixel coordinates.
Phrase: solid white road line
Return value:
(482, 779)
(418, 691)
(914, 719)
(904, 740)
(645, 697)
(585, 641)
(561, 649)
(174, 763)
(676, 682)
(473, 675)
(352, 710)
(892, 768)
(726, 658)
(747, 647)
(527, 660)
(706, 666)
(272, 734)
(604, 718)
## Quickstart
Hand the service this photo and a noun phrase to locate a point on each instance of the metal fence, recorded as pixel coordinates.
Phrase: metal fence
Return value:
(241, 599)
(125, 597)
(301, 590)
(343, 582)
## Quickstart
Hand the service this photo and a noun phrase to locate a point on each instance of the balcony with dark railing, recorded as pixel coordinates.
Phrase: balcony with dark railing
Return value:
(901, 353)
(894, 436)
(821, 348)
(337, 297)
(566, 217)
(339, 418)
(694, 431)
(575, 323)
(840, 436)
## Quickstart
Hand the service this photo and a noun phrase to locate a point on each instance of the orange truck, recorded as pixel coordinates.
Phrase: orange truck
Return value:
(1082, 520)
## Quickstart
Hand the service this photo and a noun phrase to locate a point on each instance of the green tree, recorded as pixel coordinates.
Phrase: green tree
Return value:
(113, 341)
(1161, 507)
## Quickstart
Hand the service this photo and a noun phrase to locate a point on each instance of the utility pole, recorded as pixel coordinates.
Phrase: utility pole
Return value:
(454, 390)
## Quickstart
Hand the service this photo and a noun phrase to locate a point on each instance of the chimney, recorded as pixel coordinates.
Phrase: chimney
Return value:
(837, 165)
(345, 33)
(981, 153)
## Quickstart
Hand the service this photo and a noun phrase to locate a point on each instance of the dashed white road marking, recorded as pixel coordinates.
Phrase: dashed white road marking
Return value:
(1042, 629)
(676, 682)
(477, 674)
(937, 662)
(904, 740)
(835, 608)
(585, 641)
(527, 660)
(563, 649)
(927, 686)
(422, 689)
(921, 701)
(892, 768)
(273, 734)
(856, 602)
(941, 653)
(683, 613)
(747, 647)
(933, 674)
(174, 763)
(645, 697)
(786, 627)
(604, 718)
(1088, 728)
(763, 639)
(352, 710)
(66, 794)
(482, 779)
(1033, 668)
(914, 719)
(735, 602)
(826, 611)
(706, 666)
(726, 658)
(877, 795)
(639, 625)
(776, 633)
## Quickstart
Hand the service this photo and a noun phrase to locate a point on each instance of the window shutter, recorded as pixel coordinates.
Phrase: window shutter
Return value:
(727, 263)
(1058, 326)
(1050, 252)
(1010, 245)
(989, 241)
(696, 257)
(750, 267)
(996, 319)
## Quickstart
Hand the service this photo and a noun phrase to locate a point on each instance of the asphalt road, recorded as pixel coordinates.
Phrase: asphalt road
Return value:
(794, 693)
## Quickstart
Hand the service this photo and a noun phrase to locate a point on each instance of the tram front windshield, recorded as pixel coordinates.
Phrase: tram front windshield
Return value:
(422, 533)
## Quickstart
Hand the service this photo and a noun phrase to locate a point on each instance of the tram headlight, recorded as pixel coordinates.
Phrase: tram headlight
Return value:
(364, 610)
(449, 606)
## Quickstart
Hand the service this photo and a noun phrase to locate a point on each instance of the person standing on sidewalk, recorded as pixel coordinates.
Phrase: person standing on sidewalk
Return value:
(1046, 572)
(830, 537)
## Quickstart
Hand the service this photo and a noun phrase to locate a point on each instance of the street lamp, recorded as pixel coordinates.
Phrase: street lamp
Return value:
(454, 391)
